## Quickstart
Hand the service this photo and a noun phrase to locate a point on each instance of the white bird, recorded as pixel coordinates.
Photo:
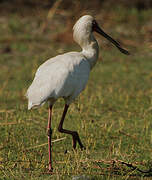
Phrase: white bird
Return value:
(66, 75)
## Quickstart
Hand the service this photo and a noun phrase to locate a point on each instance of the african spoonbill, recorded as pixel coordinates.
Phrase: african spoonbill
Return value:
(66, 75)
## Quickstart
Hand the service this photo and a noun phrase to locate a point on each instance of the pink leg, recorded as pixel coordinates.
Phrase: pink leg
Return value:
(49, 138)
(75, 135)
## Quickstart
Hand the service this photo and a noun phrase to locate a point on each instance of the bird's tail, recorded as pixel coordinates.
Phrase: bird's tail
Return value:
(30, 105)
(34, 105)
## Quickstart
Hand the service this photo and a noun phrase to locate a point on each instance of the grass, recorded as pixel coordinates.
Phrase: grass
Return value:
(113, 115)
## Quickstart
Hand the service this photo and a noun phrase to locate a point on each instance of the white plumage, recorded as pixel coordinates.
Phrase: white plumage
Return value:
(65, 76)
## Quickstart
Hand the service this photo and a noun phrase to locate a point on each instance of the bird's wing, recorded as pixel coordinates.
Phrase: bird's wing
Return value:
(58, 77)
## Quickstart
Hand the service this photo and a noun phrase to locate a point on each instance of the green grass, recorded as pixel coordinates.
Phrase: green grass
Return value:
(113, 115)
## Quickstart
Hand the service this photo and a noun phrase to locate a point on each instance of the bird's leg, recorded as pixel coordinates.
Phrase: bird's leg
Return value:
(75, 135)
(49, 138)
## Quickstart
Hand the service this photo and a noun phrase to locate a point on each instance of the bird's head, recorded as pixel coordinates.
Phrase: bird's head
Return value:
(83, 32)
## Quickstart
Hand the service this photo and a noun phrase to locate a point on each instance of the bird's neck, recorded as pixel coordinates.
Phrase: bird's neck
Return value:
(91, 52)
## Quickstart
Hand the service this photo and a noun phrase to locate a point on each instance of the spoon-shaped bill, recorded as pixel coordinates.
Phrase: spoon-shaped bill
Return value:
(101, 32)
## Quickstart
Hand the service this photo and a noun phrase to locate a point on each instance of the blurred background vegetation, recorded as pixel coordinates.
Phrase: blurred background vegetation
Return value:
(130, 21)
(139, 4)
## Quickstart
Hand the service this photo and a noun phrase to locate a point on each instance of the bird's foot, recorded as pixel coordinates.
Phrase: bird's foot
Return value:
(83, 148)
(76, 139)
(50, 170)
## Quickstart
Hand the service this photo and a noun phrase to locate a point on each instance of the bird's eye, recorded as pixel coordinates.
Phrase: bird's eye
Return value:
(94, 25)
